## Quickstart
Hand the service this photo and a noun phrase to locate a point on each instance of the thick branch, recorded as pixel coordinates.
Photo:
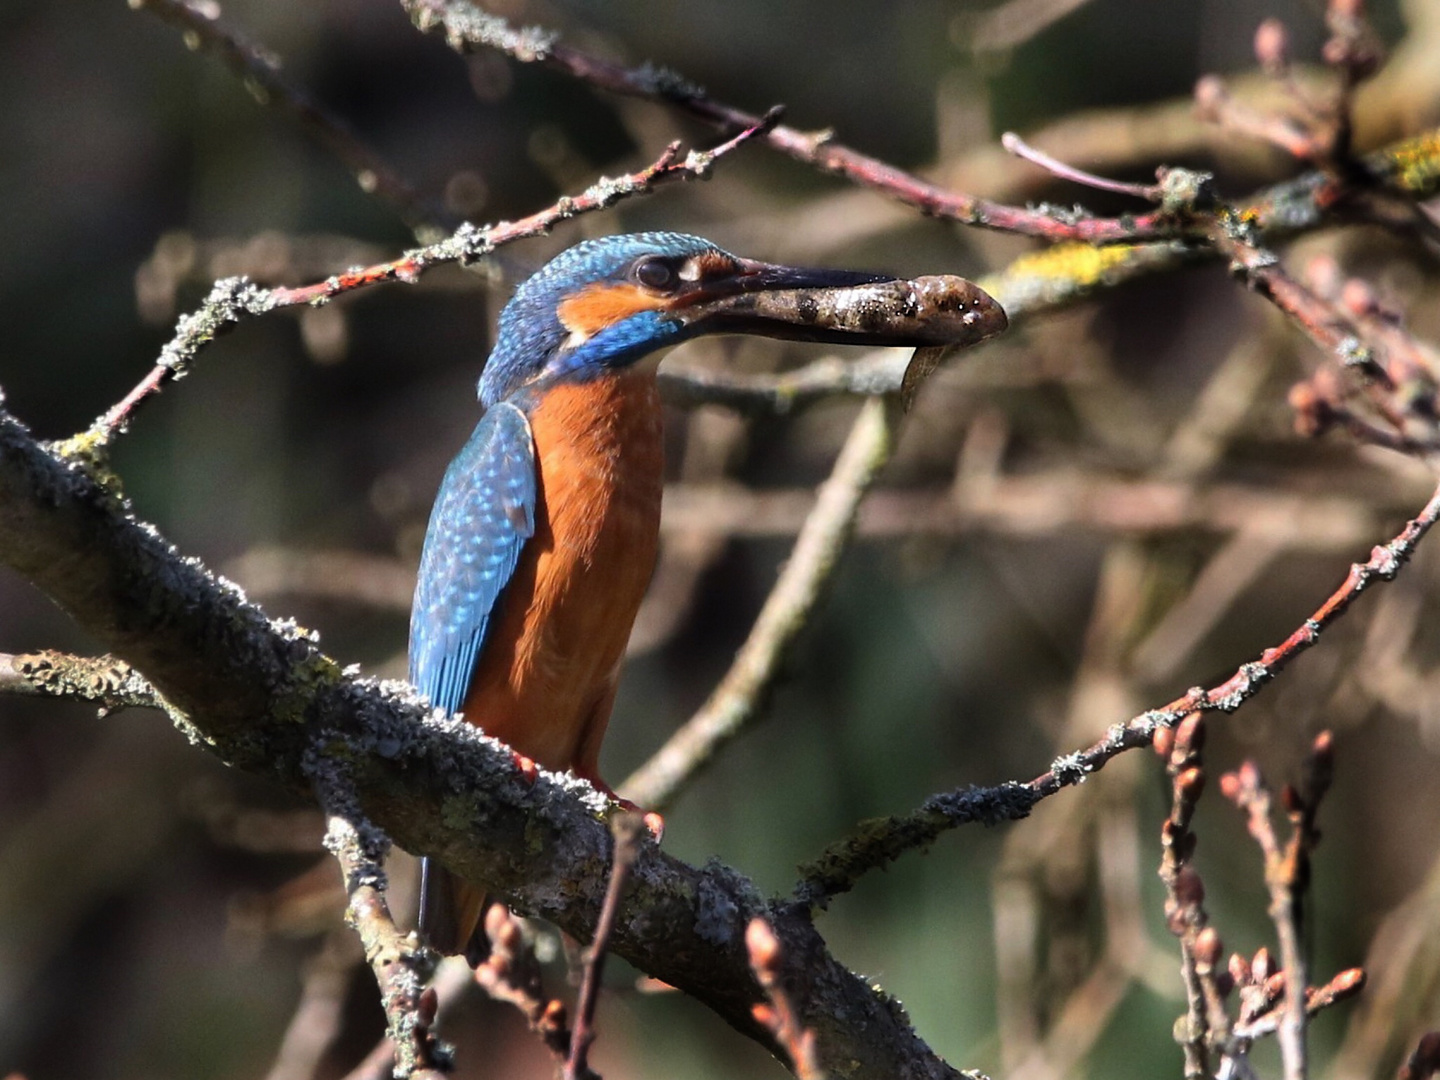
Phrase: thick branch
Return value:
(264, 697)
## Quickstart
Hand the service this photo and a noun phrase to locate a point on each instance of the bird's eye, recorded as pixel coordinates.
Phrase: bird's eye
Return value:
(654, 273)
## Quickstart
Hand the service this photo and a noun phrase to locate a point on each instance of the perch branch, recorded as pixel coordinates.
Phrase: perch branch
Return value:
(262, 696)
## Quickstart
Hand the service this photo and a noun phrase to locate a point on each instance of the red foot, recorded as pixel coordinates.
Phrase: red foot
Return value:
(653, 821)
(528, 769)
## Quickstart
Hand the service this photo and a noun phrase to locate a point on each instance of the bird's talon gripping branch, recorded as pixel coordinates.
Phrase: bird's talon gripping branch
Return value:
(545, 532)
(525, 766)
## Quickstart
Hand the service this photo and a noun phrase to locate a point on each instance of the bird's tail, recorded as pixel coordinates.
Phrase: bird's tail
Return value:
(450, 911)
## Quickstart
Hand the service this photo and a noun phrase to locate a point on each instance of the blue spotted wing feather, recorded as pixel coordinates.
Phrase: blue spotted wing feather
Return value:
(483, 515)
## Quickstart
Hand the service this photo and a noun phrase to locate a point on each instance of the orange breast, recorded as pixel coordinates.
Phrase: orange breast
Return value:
(546, 677)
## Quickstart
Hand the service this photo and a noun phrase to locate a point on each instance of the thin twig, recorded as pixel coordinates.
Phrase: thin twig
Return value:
(1287, 874)
(511, 973)
(841, 865)
(1206, 1021)
(234, 299)
(468, 28)
(450, 986)
(626, 828)
(737, 700)
(1017, 146)
(780, 1015)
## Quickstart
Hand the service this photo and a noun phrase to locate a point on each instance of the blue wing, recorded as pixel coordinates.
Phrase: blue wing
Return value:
(483, 516)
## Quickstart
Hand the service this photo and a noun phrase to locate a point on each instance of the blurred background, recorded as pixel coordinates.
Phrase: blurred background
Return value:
(1082, 520)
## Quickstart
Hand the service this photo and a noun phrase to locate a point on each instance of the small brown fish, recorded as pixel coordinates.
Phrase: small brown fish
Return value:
(934, 314)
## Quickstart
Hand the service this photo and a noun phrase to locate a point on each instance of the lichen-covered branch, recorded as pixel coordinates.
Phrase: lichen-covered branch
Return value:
(262, 696)
(108, 682)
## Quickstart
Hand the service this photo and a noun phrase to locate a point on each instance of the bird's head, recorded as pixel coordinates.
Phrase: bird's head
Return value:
(605, 304)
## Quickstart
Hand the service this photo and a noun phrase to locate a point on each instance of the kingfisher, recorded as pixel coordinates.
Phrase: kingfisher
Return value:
(545, 531)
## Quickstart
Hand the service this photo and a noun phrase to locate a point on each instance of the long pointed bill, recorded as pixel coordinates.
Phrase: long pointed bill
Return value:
(844, 308)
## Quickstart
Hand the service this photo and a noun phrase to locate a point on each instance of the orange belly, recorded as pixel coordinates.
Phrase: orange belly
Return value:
(545, 682)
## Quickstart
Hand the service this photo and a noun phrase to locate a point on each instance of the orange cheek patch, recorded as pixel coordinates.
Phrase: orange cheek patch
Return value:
(595, 307)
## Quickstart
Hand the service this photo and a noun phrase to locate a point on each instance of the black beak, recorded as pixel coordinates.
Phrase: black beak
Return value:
(842, 307)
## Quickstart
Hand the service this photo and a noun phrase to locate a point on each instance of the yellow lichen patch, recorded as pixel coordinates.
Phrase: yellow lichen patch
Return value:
(1077, 265)
(1416, 163)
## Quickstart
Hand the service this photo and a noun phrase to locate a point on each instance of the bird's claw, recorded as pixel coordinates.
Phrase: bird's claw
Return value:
(526, 766)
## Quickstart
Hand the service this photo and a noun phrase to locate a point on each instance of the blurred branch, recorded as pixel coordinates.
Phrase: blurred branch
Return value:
(737, 700)
(881, 841)
(1016, 22)
(263, 697)
(1403, 961)
(258, 69)
(320, 1013)
(382, 582)
(1046, 504)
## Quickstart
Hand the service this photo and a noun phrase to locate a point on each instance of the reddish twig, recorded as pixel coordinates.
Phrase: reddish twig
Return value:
(841, 865)
(511, 973)
(234, 299)
(1259, 1017)
(780, 1016)
(627, 829)
(259, 70)
(1207, 1023)
(1425, 1061)
(1287, 876)
(1248, 791)
(1321, 132)
(1214, 103)
(468, 28)
(1017, 146)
